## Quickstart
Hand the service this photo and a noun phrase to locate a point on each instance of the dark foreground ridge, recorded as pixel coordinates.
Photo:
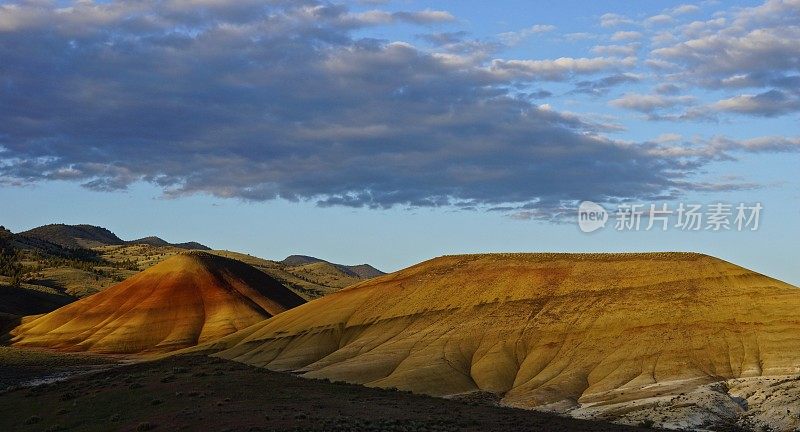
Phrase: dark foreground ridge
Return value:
(209, 394)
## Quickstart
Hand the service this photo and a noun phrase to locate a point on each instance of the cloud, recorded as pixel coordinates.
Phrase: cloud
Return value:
(646, 103)
(616, 50)
(668, 138)
(427, 16)
(723, 148)
(658, 20)
(684, 9)
(603, 85)
(558, 69)
(626, 36)
(768, 104)
(754, 47)
(667, 89)
(663, 38)
(514, 38)
(614, 20)
(259, 101)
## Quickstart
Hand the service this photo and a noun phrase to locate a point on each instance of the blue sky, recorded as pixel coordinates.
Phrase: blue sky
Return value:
(392, 132)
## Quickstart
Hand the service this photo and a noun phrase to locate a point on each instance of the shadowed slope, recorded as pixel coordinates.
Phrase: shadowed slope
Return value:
(187, 299)
(539, 329)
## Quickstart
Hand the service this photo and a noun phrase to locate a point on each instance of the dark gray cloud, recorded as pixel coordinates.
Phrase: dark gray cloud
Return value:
(603, 85)
(259, 101)
(771, 103)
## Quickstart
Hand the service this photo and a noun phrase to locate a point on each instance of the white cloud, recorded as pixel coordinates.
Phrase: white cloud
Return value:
(513, 38)
(615, 50)
(684, 9)
(558, 69)
(626, 36)
(657, 20)
(614, 20)
(648, 103)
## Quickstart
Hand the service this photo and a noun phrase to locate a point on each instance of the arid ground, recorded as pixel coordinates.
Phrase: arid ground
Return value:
(202, 393)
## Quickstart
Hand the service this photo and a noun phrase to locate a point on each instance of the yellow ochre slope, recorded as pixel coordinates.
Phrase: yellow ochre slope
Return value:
(539, 329)
(187, 299)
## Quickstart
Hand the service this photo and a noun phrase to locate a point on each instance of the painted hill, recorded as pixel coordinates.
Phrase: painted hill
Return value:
(361, 271)
(190, 298)
(555, 331)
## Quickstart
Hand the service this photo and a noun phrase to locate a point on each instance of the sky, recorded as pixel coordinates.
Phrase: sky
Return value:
(391, 132)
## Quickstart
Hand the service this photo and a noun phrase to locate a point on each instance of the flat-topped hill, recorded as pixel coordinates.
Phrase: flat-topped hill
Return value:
(539, 329)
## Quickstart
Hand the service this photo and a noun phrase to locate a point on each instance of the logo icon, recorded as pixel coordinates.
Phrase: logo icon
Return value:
(591, 216)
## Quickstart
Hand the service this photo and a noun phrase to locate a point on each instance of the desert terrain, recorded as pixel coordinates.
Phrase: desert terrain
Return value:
(556, 341)
(202, 393)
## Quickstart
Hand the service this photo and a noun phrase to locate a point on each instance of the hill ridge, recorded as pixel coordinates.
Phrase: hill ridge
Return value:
(364, 271)
(85, 236)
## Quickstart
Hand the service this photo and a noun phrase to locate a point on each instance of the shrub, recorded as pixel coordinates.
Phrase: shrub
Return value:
(32, 420)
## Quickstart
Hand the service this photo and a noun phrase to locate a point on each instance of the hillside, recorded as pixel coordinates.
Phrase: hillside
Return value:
(308, 276)
(586, 334)
(196, 393)
(158, 241)
(80, 260)
(88, 237)
(73, 236)
(54, 262)
(361, 271)
(187, 299)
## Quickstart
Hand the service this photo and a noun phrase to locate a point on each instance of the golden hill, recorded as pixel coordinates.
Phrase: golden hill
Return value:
(560, 330)
(187, 299)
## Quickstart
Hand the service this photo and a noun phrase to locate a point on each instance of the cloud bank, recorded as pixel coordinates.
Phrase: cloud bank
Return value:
(259, 101)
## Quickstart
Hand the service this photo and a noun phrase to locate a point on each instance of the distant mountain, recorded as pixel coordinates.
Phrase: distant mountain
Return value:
(191, 245)
(151, 240)
(298, 260)
(366, 271)
(158, 241)
(361, 271)
(73, 236)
